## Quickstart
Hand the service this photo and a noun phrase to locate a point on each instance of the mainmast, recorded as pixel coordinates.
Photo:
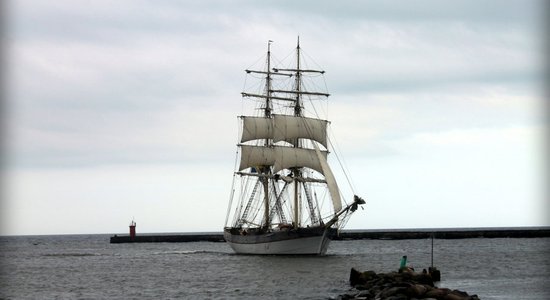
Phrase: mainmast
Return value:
(298, 104)
(297, 113)
(267, 113)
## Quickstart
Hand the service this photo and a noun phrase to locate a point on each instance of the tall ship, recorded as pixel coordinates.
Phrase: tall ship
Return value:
(285, 198)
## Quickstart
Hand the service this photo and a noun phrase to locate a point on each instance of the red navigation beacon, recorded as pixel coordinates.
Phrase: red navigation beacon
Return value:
(132, 230)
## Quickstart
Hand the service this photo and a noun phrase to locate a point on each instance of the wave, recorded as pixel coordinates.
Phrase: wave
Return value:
(71, 254)
(189, 252)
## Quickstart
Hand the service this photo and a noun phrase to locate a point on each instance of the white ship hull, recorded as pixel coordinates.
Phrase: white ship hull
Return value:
(280, 243)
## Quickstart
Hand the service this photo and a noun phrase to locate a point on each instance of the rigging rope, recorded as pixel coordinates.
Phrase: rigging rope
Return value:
(342, 165)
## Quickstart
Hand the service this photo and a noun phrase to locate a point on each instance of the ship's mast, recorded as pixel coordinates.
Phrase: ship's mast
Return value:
(267, 114)
(297, 113)
(267, 111)
(298, 104)
(262, 157)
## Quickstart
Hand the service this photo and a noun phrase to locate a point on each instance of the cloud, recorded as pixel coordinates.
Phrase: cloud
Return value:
(129, 86)
(470, 177)
(95, 199)
(427, 56)
(370, 125)
(87, 138)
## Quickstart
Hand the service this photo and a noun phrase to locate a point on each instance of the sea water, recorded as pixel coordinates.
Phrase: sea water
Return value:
(89, 267)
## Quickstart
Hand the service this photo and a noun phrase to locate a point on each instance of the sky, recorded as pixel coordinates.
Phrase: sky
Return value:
(123, 110)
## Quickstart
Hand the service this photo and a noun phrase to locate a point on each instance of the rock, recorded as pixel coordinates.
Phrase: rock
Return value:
(398, 286)
(397, 297)
(423, 278)
(437, 293)
(392, 291)
(416, 290)
(365, 294)
(368, 275)
(354, 277)
(434, 272)
(459, 295)
(455, 297)
(345, 297)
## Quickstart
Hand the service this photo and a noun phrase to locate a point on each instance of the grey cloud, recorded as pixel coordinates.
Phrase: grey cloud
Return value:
(131, 60)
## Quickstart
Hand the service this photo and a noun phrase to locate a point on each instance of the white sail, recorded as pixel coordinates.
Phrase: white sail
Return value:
(284, 128)
(288, 157)
(255, 128)
(331, 181)
(253, 156)
(280, 157)
(287, 128)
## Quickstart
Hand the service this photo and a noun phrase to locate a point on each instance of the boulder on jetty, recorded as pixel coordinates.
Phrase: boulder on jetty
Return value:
(399, 286)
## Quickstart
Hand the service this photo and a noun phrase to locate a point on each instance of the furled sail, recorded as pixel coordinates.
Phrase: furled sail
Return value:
(331, 181)
(287, 128)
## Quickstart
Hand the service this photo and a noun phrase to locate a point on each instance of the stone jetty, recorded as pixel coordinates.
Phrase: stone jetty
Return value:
(404, 285)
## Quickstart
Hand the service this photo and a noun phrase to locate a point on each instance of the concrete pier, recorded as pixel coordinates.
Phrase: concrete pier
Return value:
(180, 238)
(454, 233)
(462, 233)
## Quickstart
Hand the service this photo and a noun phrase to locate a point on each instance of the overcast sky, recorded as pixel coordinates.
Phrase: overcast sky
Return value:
(127, 109)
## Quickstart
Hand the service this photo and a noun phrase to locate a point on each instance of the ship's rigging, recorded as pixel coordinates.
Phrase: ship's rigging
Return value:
(283, 180)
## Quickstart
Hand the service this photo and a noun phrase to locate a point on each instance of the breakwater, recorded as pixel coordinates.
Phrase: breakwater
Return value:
(179, 238)
(404, 285)
(462, 233)
(358, 235)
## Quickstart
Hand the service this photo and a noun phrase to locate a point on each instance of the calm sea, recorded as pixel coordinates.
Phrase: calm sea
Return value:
(88, 267)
